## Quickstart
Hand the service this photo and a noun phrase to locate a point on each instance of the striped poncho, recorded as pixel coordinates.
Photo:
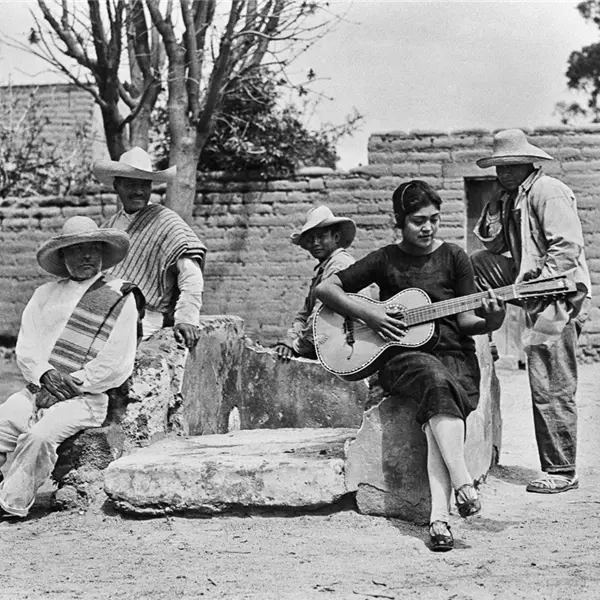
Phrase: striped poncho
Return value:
(159, 238)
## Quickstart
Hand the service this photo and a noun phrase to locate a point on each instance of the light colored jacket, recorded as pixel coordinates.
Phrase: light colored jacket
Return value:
(551, 234)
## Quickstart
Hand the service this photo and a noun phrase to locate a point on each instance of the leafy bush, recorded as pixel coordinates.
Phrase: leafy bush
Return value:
(255, 134)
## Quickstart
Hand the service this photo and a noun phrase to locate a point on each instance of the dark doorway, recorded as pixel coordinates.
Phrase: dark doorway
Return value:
(478, 191)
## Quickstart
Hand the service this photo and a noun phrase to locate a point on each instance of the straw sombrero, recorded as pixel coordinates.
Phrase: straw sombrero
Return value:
(321, 216)
(77, 230)
(510, 147)
(135, 164)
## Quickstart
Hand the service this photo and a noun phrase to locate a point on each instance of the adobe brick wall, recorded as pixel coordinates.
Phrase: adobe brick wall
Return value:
(65, 106)
(252, 269)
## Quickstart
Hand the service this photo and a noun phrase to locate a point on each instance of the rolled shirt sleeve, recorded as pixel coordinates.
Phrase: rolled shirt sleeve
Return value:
(190, 282)
(32, 357)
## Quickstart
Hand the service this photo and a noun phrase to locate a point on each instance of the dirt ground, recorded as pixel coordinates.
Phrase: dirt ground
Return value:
(521, 546)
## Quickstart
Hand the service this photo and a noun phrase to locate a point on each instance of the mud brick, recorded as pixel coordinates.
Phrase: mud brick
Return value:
(566, 153)
(94, 212)
(434, 155)
(593, 153)
(372, 170)
(383, 157)
(580, 139)
(407, 169)
(581, 166)
(19, 223)
(430, 169)
(287, 185)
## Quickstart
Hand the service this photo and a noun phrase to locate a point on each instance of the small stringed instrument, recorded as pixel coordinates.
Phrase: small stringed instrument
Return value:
(351, 350)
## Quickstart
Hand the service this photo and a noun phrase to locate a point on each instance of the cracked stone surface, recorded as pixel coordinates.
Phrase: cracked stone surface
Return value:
(291, 468)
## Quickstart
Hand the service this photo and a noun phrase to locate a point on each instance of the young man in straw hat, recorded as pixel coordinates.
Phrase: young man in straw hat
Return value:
(166, 257)
(535, 220)
(77, 340)
(326, 237)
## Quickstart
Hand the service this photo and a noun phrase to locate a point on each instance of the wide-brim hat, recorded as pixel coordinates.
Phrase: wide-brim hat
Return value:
(510, 147)
(135, 164)
(78, 230)
(321, 216)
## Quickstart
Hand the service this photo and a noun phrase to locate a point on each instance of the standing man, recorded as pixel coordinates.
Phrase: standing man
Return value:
(77, 340)
(166, 257)
(326, 237)
(535, 220)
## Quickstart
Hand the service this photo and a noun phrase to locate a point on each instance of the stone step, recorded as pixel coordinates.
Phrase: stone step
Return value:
(292, 468)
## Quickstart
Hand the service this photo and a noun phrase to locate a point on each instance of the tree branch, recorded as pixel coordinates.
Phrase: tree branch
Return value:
(73, 50)
(138, 37)
(164, 27)
(192, 81)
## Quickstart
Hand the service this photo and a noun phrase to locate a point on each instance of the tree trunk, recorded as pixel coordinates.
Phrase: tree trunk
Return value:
(115, 136)
(181, 194)
(140, 128)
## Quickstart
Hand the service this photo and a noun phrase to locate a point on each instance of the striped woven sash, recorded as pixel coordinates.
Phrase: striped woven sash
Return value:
(158, 238)
(86, 332)
(89, 326)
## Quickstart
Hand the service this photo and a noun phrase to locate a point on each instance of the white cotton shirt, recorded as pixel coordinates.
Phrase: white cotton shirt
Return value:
(44, 319)
(190, 282)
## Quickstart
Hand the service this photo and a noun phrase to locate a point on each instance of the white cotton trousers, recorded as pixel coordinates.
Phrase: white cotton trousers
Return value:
(33, 447)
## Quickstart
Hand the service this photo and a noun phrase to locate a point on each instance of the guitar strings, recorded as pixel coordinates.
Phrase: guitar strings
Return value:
(430, 312)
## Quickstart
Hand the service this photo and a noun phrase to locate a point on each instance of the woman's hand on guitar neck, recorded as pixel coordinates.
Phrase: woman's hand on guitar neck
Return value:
(493, 311)
(389, 327)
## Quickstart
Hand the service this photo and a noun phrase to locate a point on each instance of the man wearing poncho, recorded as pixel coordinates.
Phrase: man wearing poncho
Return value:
(166, 257)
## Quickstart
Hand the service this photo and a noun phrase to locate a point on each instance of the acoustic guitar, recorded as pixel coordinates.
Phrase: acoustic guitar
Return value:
(351, 350)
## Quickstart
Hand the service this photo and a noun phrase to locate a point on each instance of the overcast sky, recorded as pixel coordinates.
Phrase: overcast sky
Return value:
(418, 65)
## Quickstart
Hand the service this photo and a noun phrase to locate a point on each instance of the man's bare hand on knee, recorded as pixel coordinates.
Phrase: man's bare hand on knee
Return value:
(61, 385)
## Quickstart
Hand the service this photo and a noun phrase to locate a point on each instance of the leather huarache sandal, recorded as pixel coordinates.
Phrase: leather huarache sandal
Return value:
(440, 536)
(553, 483)
(467, 501)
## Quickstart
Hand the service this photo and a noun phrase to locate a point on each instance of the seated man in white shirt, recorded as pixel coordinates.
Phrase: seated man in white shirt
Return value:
(77, 340)
(166, 257)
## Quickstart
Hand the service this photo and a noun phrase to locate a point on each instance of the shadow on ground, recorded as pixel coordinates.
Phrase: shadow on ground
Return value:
(514, 474)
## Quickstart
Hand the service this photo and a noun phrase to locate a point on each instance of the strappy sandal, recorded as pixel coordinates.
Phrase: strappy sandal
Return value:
(466, 504)
(553, 483)
(440, 536)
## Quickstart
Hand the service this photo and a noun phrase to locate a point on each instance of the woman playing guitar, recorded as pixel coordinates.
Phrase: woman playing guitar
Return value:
(443, 380)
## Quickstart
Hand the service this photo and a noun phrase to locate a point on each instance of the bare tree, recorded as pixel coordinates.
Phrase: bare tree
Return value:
(209, 47)
(85, 42)
(207, 53)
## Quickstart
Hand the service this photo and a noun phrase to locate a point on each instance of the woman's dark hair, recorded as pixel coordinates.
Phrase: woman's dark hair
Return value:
(410, 197)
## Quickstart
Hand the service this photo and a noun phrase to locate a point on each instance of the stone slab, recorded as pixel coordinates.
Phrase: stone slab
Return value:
(209, 382)
(291, 468)
(387, 463)
(297, 393)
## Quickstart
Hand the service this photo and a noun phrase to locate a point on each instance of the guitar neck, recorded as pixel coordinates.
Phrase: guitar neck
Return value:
(445, 308)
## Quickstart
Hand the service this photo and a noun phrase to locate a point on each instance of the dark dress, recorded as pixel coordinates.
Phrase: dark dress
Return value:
(445, 379)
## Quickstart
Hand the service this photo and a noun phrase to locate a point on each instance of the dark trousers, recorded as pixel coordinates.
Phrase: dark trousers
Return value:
(552, 375)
